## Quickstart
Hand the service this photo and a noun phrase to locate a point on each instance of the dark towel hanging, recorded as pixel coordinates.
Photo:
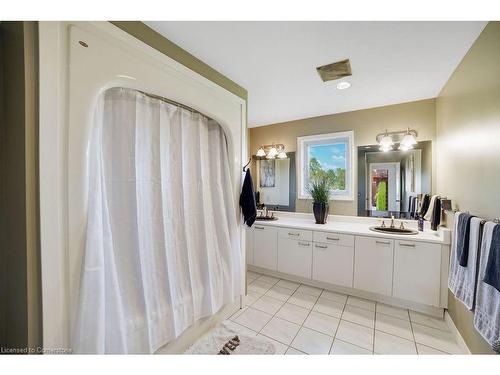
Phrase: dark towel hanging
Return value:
(492, 271)
(436, 214)
(425, 205)
(463, 235)
(247, 200)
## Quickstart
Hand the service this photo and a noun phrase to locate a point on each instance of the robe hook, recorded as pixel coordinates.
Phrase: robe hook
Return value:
(246, 165)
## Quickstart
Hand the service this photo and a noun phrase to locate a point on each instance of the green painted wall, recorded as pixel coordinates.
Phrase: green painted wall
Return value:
(20, 298)
(468, 161)
(172, 50)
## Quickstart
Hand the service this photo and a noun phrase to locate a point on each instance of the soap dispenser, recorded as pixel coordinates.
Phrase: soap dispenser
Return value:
(420, 223)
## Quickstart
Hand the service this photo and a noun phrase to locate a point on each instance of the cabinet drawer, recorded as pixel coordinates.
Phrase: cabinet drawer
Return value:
(295, 234)
(334, 238)
(295, 257)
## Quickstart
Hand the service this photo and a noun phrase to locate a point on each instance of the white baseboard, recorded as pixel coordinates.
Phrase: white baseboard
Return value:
(456, 333)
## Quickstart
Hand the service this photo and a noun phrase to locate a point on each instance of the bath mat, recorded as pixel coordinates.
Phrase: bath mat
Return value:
(214, 340)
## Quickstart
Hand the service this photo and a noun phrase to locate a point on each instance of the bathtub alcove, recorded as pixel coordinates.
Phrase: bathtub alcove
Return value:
(79, 62)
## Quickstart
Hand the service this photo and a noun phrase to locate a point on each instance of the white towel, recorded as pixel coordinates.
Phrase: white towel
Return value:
(487, 310)
(462, 280)
(428, 214)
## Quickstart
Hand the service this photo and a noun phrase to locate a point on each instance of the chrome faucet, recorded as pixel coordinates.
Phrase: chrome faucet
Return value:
(392, 221)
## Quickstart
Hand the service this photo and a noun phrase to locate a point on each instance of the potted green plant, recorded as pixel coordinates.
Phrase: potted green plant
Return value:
(319, 189)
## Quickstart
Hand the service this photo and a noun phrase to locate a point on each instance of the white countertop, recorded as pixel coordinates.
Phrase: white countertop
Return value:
(356, 226)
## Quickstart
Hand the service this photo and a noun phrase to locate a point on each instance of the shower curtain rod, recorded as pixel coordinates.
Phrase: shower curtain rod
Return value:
(169, 101)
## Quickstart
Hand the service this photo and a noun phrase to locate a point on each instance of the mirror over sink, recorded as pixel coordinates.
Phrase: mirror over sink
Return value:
(386, 181)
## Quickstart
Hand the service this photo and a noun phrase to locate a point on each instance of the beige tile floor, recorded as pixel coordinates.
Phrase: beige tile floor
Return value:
(301, 319)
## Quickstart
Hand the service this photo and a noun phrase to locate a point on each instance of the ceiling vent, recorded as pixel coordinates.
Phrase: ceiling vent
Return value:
(335, 70)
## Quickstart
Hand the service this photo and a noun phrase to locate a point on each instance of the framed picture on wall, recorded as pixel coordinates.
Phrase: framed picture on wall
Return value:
(267, 173)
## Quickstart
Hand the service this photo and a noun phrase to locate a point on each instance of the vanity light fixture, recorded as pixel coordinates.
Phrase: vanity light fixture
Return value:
(272, 151)
(406, 139)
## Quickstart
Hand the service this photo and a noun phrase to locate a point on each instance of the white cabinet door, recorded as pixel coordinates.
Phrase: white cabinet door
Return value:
(373, 261)
(295, 257)
(249, 245)
(265, 247)
(417, 272)
(333, 264)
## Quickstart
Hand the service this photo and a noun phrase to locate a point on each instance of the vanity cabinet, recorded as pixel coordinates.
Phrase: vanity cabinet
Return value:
(405, 269)
(417, 272)
(295, 257)
(265, 247)
(373, 264)
(333, 258)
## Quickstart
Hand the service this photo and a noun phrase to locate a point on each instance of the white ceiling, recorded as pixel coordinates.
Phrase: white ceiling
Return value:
(392, 62)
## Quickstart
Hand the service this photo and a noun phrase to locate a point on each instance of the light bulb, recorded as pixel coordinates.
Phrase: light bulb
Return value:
(408, 140)
(281, 155)
(343, 85)
(261, 152)
(272, 153)
(386, 143)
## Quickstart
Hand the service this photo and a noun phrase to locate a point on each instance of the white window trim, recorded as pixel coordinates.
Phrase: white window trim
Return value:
(301, 168)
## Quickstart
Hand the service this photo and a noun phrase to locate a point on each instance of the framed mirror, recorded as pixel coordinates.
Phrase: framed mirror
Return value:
(274, 182)
(388, 181)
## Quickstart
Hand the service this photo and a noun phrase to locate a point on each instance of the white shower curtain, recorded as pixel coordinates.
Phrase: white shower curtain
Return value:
(162, 244)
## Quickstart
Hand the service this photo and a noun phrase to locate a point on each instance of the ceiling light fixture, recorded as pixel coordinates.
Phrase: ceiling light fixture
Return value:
(343, 85)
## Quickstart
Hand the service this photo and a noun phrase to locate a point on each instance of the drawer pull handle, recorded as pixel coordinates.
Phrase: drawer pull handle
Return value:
(383, 242)
(293, 234)
(407, 244)
(321, 246)
(304, 243)
(256, 227)
(333, 238)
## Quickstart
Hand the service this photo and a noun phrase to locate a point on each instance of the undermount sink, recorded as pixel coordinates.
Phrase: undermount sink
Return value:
(394, 230)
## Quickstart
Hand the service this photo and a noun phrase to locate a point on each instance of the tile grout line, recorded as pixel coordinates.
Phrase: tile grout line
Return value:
(413, 334)
(302, 325)
(273, 315)
(310, 310)
(338, 325)
(374, 325)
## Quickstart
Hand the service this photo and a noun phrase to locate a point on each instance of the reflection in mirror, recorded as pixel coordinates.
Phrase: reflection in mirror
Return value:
(274, 182)
(388, 182)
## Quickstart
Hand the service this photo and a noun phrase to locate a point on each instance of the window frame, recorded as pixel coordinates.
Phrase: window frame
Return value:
(303, 144)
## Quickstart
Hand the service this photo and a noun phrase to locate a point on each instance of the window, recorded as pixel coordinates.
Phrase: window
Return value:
(327, 155)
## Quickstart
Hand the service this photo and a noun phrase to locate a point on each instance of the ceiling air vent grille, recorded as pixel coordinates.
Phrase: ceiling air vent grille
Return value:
(335, 70)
